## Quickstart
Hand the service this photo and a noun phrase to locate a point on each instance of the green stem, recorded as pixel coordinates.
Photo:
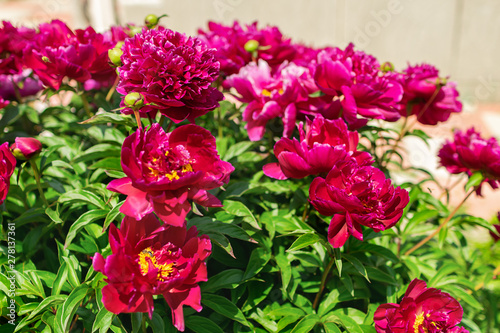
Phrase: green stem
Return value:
(323, 282)
(86, 105)
(112, 90)
(143, 325)
(442, 225)
(219, 113)
(38, 184)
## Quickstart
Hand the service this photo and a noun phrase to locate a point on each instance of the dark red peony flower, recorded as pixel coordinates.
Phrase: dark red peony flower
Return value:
(271, 95)
(421, 310)
(26, 148)
(229, 43)
(151, 259)
(354, 86)
(356, 195)
(164, 170)
(7, 166)
(469, 153)
(173, 72)
(422, 97)
(324, 143)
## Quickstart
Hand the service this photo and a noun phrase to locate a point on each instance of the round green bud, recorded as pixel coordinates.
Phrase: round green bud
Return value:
(387, 67)
(133, 30)
(119, 45)
(115, 56)
(252, 45)
(134, 100)
(151, 21)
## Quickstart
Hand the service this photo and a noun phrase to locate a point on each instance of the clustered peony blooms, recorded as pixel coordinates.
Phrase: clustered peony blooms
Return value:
(229, 43)
(421, 310)
(426, 95)
(7, 166)
(151, 259)
(164, 170)
(323, 144)
(26, 148)
(173, 72)
(353, 85)
(271, 96)
(469, 153)
(356, 195)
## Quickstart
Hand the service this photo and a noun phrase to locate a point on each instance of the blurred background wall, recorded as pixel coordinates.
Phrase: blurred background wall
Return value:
(460, 37)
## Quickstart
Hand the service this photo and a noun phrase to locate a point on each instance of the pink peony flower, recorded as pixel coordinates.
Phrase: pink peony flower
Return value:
(151, 259)
(420, 98)
(164, 170)
(356, 195)
(422, 309)
(354, 86)
(173, 72)
(469, 153)
(26, 148)
(229, 43)
(271, 96)
(7, 166)
(324, 143)
(13, 40)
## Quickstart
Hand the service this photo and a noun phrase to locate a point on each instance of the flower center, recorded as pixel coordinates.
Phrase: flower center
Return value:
(169, 164)
(268, 93)
(419, 320)
(148, 260)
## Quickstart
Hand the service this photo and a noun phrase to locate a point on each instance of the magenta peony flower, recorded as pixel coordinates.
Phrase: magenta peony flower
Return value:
(3, 103)
(421, 98)
(422, 309)
(151, 259)
(229, 43)
(173, 72)
(324, 143)
(356, 195)
(26, 148)
(16, 86)
(469, 153)
(270, 96)
(354, 86)
(13, 40)
(7, 166)
(164, 170)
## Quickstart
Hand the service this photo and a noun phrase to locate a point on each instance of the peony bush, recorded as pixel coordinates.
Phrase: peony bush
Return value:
(156, 182)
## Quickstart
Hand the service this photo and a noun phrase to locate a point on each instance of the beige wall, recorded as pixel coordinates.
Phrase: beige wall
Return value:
(460, 37)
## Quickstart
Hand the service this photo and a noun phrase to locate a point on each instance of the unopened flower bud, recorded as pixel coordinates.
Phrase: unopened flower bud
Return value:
(26, 148)
(151, 21)
(119, 45)
(251, 46)
(133, 30)
(115, 56)
(387, 67)
(134, 100)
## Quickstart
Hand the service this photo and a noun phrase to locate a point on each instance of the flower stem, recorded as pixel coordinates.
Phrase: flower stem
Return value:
(112, 90)
(86, 105)
(138, 119)
(323, 282)
(38, 184)
(219, 113)
(445, 222)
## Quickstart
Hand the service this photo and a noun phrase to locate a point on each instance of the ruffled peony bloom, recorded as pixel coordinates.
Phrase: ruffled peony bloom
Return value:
(356, 195)
(323, 144)
(26, 148)
(13, 40)
(58, 53)
(164, 170)
(469, 153)
(428, 96)
(353, 86)
(7, 166)
(173, 72)
(422, 309)
(229, 43)
(271, 96)
(151, 259)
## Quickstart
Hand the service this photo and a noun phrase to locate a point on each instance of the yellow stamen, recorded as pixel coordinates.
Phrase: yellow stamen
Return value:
(266, 93)
(187, 168)
(147, 258)
(419, 320)
(172, 175)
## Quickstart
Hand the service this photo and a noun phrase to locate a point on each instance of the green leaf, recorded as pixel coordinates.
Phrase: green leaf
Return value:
(474, 180)
(237, 149)
(98, 151)
(67, 310)
(328, 303)
(108, 117)
(357, 265)
(202, 325)
(285, 269)
(81, 195)
(157, 323)
(461, 294)
(83, 220)
(102, 321)
(331, 327)
(303, 241)
(112, 215)
(239, 209)
(306, 324)
(349, 323)
(54, 215)
(258, 259)
(338, 260)
(225, 307)
(377, 275)
(73, 279)
(61, 277)
(109, 163)
(47, 302)
(226, 279)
